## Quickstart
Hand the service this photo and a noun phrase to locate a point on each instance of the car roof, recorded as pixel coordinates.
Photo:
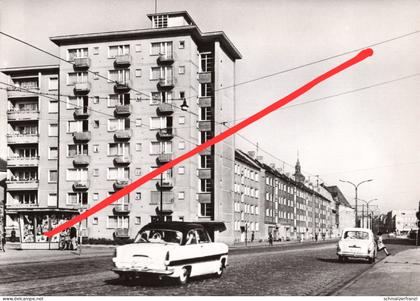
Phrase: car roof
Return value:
(178, 226)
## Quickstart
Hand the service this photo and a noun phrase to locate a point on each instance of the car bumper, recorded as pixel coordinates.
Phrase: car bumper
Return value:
(355, 254)
(143, 270)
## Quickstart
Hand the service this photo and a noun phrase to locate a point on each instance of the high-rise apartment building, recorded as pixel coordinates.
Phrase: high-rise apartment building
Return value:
(120, 117)
(30, 95)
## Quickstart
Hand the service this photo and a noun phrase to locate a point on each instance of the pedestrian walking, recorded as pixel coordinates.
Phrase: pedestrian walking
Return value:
(3, 242)
(381, 245)
(73, 237)
(270, 239)
(316, 236)
(13, 235)
(252, 236)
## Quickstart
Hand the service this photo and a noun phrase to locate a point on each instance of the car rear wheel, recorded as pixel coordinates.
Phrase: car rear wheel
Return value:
(184, 276)
(372, 260)
(340, 258)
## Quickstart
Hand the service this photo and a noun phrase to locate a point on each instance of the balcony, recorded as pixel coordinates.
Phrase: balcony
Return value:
(22, 185)
(81, 88)
(204, 173)
(16, 92)
(204, 125)
(82, 136)
(22, 161)
(204, 77)
(165, 109)
(204, 102)
(165, 134)
(166, 83)
(119, 184)
(22, 138)
(81, 113)
(22, 115)
(121, 233)
(165, 59)
(122, 160)
(122, 110)
(122, 134)
(204, 197)
(81, 185)
(122, 86)
(166, 184)
(122, 208)
(81, 160)
(123, 60)
(81, 63)
(164, 158)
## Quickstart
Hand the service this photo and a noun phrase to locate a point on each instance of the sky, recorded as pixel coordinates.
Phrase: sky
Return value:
(369, 134)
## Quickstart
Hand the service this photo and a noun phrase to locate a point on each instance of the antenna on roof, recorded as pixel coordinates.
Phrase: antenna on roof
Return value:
(155, 6)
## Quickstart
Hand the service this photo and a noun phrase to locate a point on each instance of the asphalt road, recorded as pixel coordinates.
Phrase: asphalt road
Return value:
(293, 270)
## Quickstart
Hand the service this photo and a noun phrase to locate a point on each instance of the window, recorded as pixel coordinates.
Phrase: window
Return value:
(205, 185)
(206, 113)
(162, 48)
(138, 72)
(52, 153)
(206, 90)
(53, 130)
(76, 198)
(206, 209)
(118, 124)
(181, 120)
(95, 196)
(96, 50)
(137, 172)
(138, 147)
(52, 199)
(181, 44)
(205, 136)
(137, 48)
(121, 75)
(95, 221)
(53, 83)
(138, 196)
(206, 62)
(77, 149)
(118, 173)
(76, 174)
(160, 97)
(205, 161)
(76, 126)
(95, 75)
(77, 78)
(181, 145)
(181, 195)
(118, 99)
(181, 170)
(160, 122)
(117, 222)
(160, 21)
(138, 122)
(113, 51)
(137, 220)
(118, 149)
(96, 99)
(161, 73)
(158, 147)
(96, 124)
(77, 53)
(181, 70)
(77, 102)
(96, 172)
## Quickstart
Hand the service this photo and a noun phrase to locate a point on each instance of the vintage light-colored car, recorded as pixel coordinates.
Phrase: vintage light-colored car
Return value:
(173, 249)
(357, 243)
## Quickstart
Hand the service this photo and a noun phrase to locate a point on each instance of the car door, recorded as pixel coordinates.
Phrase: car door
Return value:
(210, 261)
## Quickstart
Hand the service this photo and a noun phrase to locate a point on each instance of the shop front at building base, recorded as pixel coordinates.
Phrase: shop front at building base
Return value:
(28, 226)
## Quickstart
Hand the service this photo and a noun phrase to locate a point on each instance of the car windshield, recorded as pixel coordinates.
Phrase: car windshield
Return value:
(356, 235)
(159, 236)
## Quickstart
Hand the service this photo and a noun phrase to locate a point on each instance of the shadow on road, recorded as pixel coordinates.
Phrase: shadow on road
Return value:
(335, 260)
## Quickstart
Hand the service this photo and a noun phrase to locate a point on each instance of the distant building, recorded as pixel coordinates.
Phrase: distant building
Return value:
(343, 212)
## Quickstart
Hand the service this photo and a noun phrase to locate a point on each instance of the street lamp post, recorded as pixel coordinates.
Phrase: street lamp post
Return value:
(367, 211)
(355, 188)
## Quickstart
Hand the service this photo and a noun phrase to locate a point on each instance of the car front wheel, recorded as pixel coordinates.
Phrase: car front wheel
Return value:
(219, 272)
(184, 276)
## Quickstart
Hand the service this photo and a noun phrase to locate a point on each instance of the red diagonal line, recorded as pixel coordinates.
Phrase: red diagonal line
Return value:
(229, 132)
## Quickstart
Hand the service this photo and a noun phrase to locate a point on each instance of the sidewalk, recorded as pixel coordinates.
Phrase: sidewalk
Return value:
(13, 255)
(396, 275)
